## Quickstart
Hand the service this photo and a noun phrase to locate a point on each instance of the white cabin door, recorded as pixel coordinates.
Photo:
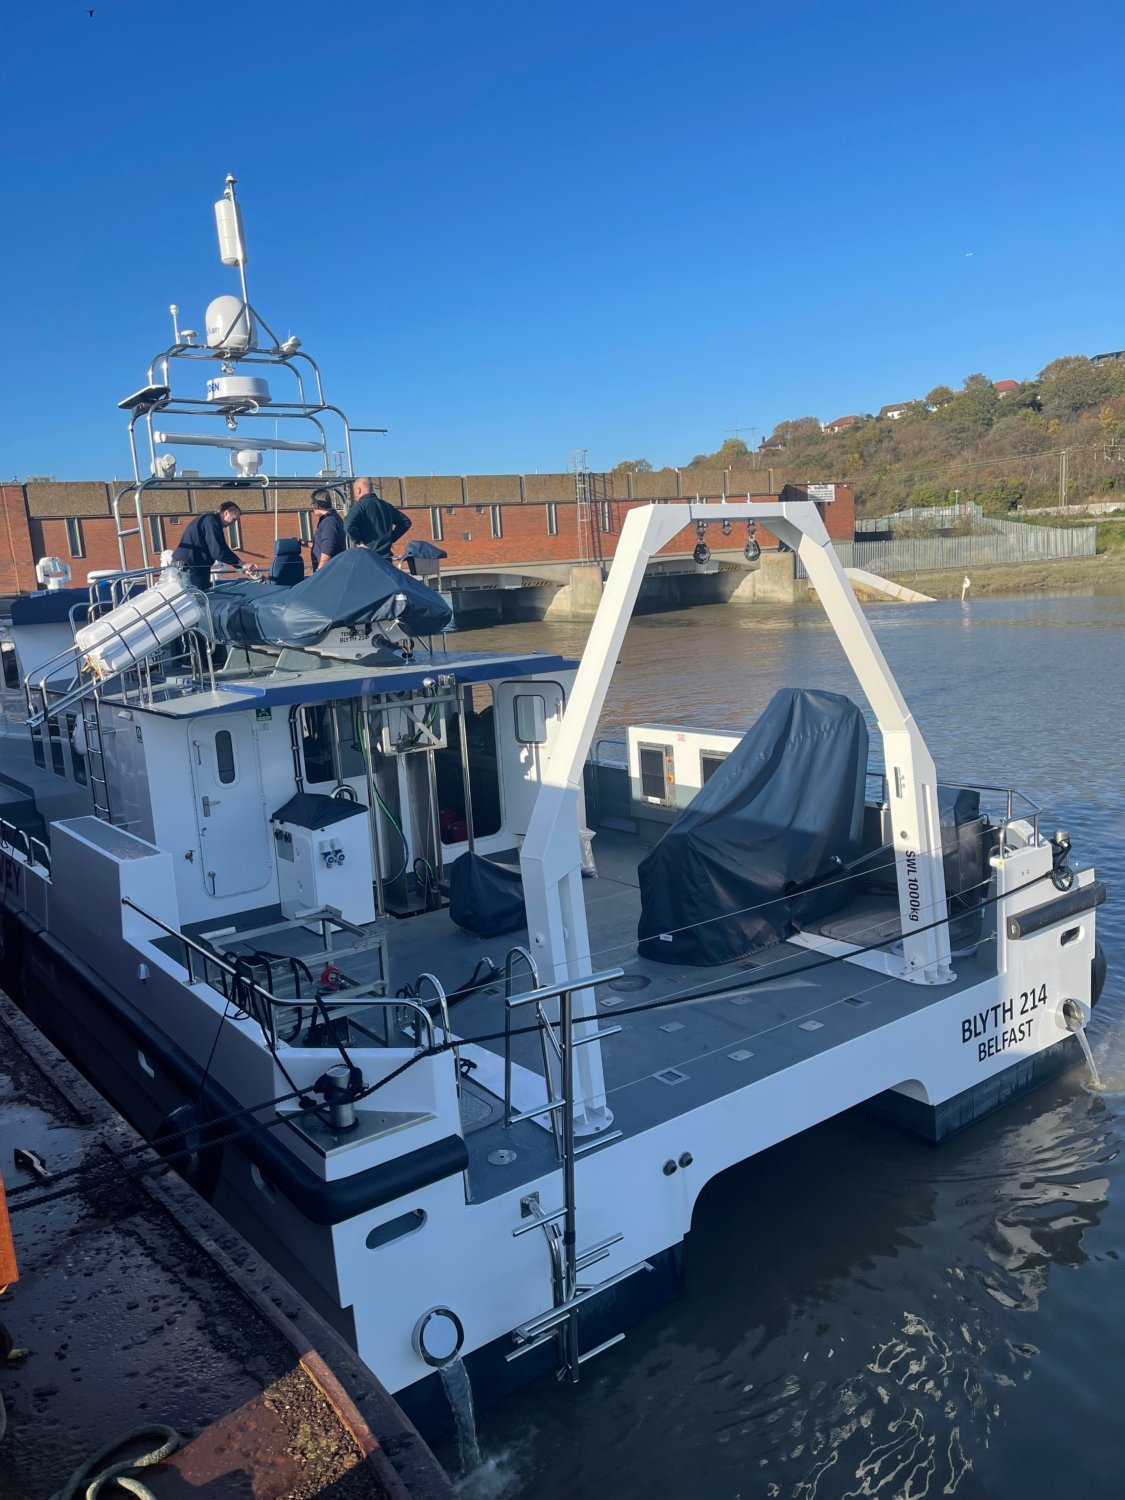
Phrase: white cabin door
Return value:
(528, 716)
(230, 810)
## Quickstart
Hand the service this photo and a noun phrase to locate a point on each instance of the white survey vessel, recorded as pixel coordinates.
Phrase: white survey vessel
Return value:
(451, 1012)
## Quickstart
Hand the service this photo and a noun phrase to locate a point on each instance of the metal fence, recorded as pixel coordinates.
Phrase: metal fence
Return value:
(993, 542)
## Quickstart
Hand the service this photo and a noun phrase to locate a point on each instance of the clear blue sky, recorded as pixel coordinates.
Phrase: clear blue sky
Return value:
(510, 230)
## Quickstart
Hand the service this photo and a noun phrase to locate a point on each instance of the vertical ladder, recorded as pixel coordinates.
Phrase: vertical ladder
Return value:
(582, 507)
(95, 759)
(560, 1226)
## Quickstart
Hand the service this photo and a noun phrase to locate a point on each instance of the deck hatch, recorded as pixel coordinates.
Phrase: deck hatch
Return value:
(670, 1076)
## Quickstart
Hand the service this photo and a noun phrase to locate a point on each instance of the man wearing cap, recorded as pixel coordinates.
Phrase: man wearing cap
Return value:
(372, 522)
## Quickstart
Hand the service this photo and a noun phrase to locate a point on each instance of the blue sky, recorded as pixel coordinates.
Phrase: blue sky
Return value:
(508, 231)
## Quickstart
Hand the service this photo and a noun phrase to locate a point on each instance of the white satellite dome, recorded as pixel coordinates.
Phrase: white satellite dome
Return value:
(230, 328)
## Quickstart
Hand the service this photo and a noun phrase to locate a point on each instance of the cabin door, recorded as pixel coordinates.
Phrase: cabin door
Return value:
(528, 716)
(230, 809)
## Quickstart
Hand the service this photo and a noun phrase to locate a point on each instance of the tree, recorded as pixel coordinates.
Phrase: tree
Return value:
(941, 395)
(1072, 384)
(796, 429)
(633, 466)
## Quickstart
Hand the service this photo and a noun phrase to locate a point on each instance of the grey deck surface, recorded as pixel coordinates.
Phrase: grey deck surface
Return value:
(778, 1007)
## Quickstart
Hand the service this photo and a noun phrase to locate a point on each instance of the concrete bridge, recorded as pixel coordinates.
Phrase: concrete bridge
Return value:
(573, 590)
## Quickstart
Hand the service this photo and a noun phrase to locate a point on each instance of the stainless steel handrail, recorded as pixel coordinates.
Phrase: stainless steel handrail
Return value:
(272, 1002)
(11, 837)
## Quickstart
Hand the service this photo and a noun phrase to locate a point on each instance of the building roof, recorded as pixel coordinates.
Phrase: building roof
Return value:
(1002, 387)
(849, 421)
(885, 411)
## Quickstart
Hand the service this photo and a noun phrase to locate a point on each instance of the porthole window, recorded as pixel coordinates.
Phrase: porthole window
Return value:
(224, 756)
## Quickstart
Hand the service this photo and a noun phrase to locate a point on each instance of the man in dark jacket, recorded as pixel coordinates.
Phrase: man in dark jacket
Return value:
(203, 545)
(328, 538)
(373, 523)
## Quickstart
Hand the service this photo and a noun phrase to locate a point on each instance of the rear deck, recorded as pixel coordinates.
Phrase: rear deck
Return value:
(677, 1048)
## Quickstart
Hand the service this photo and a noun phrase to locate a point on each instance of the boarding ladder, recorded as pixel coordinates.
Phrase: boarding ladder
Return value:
(559, 1226)
(95, 758)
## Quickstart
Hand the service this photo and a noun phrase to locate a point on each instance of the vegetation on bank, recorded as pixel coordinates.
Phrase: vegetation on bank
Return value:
(1058, 437)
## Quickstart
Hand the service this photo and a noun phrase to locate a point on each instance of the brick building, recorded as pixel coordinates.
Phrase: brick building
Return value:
(481, 520)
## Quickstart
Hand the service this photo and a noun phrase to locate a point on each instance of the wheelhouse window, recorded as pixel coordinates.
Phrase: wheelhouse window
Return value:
(531, 718)
(77, 760)
(224, 756)
(54, 733)
(332, 742)
(11, 665)
(478, 726)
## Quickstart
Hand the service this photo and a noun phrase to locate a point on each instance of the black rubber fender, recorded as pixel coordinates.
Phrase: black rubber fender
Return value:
(1098, 969)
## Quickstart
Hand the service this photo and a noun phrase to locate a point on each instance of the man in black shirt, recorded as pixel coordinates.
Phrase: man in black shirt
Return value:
(203, 544)
(371, 522)
(328, 538)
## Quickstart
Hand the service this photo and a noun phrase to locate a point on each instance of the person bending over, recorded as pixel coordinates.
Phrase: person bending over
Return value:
(203, 544)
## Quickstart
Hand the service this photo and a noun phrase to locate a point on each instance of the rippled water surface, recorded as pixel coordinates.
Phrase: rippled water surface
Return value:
(867, 1315)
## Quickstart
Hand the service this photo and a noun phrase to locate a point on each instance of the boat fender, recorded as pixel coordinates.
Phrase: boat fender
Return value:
(180, 1139)
(1098, 967)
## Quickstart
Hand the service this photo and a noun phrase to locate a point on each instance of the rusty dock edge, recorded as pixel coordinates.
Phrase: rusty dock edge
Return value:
(396, 1462)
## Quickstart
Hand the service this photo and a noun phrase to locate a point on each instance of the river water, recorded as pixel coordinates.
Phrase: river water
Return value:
(866, 1314)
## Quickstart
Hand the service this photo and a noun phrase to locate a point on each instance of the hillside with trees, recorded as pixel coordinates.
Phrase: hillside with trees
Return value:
(1005, 450)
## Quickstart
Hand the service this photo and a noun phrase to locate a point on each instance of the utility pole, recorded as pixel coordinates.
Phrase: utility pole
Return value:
(1064, 464)
(738, 431)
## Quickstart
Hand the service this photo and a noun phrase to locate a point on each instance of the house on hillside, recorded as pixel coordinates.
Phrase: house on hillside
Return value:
(842, 424)
(1005, 387)
(1113, 357)
(772, 445)
(894, 410)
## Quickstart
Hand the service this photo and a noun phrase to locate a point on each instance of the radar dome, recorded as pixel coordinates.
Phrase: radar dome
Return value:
(230, 328)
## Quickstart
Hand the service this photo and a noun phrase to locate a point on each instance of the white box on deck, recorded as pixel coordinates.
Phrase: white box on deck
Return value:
(328, 866)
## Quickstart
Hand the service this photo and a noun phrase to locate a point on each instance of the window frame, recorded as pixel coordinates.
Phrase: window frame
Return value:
(541, 699)
(75, 541)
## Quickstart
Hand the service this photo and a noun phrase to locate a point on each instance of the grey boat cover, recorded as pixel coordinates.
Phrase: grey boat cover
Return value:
(485, 898)
(783, 811)
(355, 588)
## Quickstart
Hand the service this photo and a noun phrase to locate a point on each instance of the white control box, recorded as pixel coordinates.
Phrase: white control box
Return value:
(324, 857)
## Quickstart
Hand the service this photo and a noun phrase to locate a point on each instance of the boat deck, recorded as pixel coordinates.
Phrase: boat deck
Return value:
(670, 1056)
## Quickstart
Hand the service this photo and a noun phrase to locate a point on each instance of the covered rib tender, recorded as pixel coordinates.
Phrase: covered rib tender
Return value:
(355, 588)
(784, 810)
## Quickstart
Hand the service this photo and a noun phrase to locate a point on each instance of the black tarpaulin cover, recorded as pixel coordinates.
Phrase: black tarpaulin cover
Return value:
(354, 588)
(485, 898)
(784, 810)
